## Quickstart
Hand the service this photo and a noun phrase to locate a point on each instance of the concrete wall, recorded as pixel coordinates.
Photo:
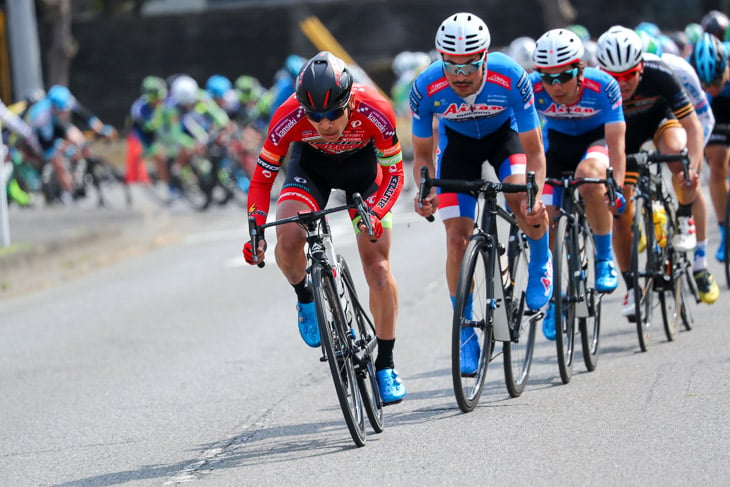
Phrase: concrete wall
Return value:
(116, 53)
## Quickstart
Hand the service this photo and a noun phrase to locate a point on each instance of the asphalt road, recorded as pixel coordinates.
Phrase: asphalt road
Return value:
(178, 364)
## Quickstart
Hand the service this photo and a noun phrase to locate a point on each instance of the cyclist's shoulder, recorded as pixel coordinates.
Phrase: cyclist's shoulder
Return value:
(369, 99)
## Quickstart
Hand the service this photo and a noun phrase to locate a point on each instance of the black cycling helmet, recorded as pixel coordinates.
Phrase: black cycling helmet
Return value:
(715, 22)
(324, 83)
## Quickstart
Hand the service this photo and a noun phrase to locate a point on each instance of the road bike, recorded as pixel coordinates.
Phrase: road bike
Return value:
(346, 330)
(494, 278)
(575, 297)
(656, 266)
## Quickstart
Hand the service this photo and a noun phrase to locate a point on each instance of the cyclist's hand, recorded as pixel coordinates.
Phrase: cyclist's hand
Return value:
(375, 223)
(428, 206)
(537, 215)
(619, 205)
(248, 253)
(694, 178)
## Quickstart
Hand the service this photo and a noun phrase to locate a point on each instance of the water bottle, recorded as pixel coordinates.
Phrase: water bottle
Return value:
(660, 223)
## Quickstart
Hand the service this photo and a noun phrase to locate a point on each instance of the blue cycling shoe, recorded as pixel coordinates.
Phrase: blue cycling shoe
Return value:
(540, 284)
(469, 352)
(606, 276)
(548, 323)
(308, 328)
(720, 254)
(392, 390)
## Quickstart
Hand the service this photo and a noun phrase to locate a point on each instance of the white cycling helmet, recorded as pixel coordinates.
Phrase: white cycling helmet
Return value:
(521, 49)
(184, 90)
(619, 49)
(462, 34)
(557, 47)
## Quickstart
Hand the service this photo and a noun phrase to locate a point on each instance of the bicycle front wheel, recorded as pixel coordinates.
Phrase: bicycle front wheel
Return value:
(517, 353)
(365, 343)
(472, 338)
(590, 325)
(564, 300)
(642, 270)
(336, 344)
(690, 295)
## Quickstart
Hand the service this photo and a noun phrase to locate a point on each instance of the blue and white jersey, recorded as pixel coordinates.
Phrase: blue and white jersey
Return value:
(599, 104)
(505, 96)
(691, 84)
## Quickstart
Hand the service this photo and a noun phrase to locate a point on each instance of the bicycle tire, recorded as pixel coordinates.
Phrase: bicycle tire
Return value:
(517, 354)
(563, 298)
(367, 380)
(670, 299)
(726, 249)
(669, 278)
(473, 278)
(642, 271)
(337, 349)
(590, 326)
(690, 296)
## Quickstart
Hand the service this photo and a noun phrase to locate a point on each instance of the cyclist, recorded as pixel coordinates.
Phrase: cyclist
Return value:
(485, 111)
(59, 138)
(710, 59)
(691, 84)
(342, 135)
(656, 108)
(191, 119)
(285, 80)
(520, 50)
(148, 117)
(584, 132)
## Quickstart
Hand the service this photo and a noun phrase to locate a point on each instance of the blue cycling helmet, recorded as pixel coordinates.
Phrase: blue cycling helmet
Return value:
(709, 58)
(217, 85)
(294, 64)
(61, 98)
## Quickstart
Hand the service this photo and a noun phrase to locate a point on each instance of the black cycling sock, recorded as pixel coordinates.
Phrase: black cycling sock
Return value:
(628, 280)
(304, 292)
(684, 210)
(385, 354)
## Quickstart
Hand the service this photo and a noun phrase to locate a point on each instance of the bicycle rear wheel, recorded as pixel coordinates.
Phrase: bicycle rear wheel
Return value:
(517, 353)
(590, 326)
(473, 322)
(642, 270)
(366, 343)
(336, 343)
(690, 295)
(564, 300)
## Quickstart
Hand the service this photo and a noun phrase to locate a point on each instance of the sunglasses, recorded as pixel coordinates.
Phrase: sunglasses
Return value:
(627, 75)
(561, 77)
(331, 115)
(465, 69)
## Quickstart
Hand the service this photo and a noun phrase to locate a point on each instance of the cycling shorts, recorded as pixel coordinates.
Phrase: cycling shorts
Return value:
(635, 138)
(461, 157)
(564, 154)
(721, 132)
(312, 175)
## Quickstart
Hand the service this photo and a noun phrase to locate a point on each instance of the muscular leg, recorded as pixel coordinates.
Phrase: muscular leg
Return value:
(375, 257)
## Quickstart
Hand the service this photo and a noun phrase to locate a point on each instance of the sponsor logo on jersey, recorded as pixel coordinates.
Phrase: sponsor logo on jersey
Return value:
(500, 80)
(389, 191)
(456, 112)
(575, 111)
(279, 131)
(377, 118)
(437, 86)
(591, 85)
